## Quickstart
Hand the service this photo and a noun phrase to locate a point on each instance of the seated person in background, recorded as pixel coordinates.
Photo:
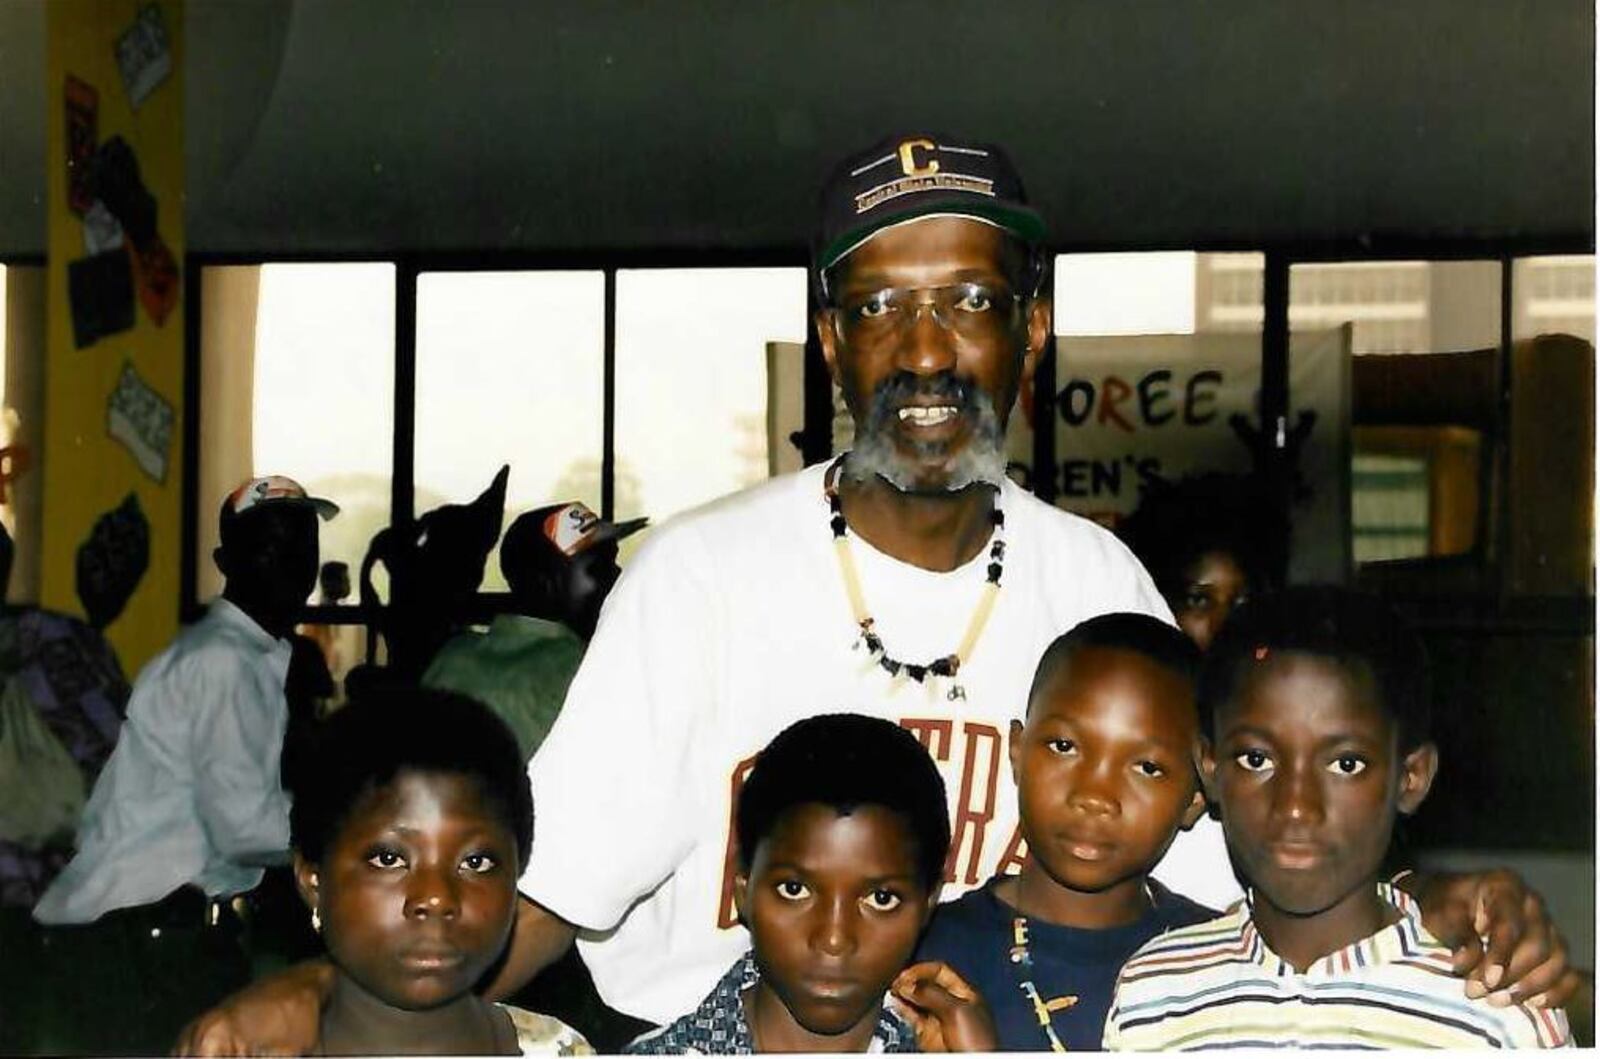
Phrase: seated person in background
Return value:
(842, 836)
(410, 830)
(190, 808)
(1210, 542)
(1316, 716)
(560, 563)
(68, 674)
(62, 700)
(1105, 765)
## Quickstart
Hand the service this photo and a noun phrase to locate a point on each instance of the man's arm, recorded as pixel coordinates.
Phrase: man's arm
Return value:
(236, 746)
(279, 1014)
(538, 939)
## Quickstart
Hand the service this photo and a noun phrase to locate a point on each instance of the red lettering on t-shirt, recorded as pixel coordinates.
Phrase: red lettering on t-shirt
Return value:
(975, 806)
(1016, 852)
(933, 733)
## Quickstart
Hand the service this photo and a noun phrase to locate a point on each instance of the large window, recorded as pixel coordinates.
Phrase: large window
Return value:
(1416, 469)
(651, 390)
(297, 378)
(300, 362)
(692, 381)
(510, 370)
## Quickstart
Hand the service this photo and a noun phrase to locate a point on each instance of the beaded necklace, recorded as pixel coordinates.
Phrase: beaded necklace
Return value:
(948, 666)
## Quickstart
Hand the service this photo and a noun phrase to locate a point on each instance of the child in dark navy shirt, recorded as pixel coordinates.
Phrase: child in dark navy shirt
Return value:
(1106, 777)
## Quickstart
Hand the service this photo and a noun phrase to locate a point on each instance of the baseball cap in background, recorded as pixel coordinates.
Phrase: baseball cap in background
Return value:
(573, 528)
(270, 490)
(904, 178)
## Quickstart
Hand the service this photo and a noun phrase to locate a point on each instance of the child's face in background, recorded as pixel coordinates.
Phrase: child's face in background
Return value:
(1307, 770)
(1212, 587)
(1105, 768)
(834, 905)
(417, 891)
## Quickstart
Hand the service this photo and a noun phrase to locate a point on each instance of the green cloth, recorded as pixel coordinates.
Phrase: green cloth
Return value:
(520, 669)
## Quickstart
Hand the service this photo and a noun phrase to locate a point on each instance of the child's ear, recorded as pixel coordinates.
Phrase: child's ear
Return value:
(933, 903)
(1014, 748)
(741, 889)
(305, 880)
(1207, 758)
(1196, 809)
(1416, 777)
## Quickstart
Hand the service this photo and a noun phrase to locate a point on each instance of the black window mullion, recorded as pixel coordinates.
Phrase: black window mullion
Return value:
(608, 427)
(402, 498)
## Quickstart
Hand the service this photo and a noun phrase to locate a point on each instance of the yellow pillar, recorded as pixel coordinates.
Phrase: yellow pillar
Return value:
(114, 405)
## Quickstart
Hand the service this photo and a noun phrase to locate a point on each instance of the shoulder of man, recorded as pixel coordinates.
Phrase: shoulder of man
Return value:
(209, 651)
(756, 517)
(1078, 550)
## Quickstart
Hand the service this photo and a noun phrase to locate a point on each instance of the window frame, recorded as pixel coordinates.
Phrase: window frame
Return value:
(1279, 258)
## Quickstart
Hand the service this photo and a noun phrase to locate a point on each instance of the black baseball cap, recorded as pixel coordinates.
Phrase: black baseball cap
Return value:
(908, 177)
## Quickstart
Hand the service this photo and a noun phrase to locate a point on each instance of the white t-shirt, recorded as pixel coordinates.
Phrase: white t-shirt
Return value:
(731, 624)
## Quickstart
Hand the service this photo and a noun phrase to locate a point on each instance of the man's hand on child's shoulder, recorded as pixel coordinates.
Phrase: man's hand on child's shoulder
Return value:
(947, 1013)
(274, 1016)
(1504, 943)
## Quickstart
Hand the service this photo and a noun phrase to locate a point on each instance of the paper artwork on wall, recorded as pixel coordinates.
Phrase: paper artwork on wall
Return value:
(101, 231)
(144, 55)
(155, 275)
(142, 420)
(83, 118)
(100, 291)
(112, 561)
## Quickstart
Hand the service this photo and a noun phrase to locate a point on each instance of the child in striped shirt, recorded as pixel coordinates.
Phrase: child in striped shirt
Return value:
(1315, 709)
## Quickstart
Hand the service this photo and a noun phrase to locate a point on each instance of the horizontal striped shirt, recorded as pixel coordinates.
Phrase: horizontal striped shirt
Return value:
(1218, 985)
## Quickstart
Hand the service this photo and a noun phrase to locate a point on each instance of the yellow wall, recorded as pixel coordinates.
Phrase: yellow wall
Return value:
(86, 471)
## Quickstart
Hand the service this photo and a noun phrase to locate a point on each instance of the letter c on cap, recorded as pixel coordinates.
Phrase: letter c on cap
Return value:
(908, 158)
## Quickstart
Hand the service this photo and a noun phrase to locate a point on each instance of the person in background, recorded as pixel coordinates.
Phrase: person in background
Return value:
(560, 563)
(339, 644)
(63, 698)
(190, 806)
(1210, 542)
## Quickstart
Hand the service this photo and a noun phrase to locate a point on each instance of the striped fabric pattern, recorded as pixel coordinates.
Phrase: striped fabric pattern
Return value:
(1217, 985)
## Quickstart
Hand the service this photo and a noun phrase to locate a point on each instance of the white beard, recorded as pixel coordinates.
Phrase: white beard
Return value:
(982, 460)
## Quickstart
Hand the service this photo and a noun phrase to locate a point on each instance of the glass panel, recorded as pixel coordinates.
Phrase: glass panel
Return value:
(297, 376)
(691, 414)
(510, 370)
(1553, 294)
(1389, 508)
(22, 352)
(1126, 294)
(1416, 461)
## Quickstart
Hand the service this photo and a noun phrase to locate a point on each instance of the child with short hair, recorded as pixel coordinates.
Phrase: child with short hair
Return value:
(410, 831)
(842, 832)
(1105, 769)
(1316, 715)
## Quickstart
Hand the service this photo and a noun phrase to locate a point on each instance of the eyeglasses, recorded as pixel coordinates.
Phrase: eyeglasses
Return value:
(972, 311)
